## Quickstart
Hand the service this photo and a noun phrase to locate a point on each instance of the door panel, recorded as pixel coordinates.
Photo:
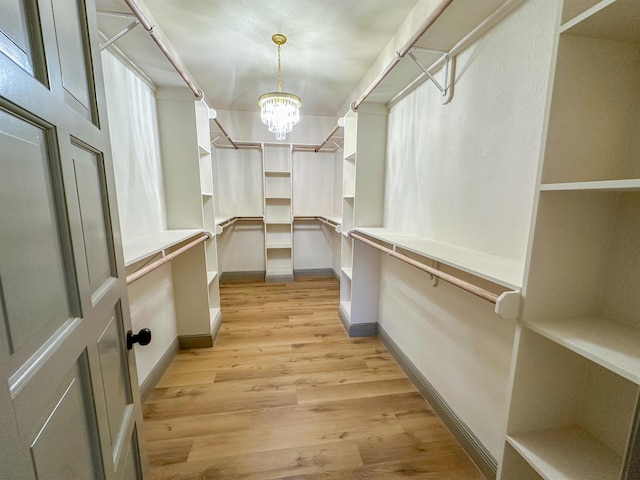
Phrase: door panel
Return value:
(115, 378)
(68, 387)
(31, 246)
(67, 429)
(73, 53)
(95, 226)
(15, 36)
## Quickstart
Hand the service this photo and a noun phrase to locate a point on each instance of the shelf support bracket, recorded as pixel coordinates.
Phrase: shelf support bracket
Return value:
(120, 34)
(446, 90)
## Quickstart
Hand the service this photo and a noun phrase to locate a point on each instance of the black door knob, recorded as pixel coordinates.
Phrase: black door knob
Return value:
(143, 337)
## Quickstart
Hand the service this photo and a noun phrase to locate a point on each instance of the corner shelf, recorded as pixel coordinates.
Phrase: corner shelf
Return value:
(145, 247)
(499, 270)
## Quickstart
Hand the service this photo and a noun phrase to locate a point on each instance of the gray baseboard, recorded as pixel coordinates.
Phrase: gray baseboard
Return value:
(188, 342)
(474, 448)
(156, 373)
(357, 329)
(314, 272)
(279, 278)
(242, 275)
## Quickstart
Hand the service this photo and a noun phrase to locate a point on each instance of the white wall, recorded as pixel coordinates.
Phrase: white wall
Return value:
(238, 183)
(139, 187)
(464, 173)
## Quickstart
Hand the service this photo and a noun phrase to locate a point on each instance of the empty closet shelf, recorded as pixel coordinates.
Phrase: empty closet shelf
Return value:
(613, 345)
(567, 453)
(499, 270)
(145, 247)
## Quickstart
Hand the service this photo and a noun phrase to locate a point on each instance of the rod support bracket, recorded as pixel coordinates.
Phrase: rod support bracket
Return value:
(446, 62)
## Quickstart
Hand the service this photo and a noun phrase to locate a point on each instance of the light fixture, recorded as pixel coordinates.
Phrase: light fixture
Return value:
(279, 111)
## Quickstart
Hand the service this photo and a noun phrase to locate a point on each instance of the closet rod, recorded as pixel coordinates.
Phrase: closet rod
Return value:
(151, 30)
(174, 63)
(224, 132)
(167, 258)
(331, 134)
(402, 52)
(469, 287)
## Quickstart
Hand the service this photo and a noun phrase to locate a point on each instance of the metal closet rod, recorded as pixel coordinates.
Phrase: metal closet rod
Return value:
(402, 52)
(167, 258)
(469, 287)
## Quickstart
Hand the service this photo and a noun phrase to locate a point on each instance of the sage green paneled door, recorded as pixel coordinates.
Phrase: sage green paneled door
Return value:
(68, 409)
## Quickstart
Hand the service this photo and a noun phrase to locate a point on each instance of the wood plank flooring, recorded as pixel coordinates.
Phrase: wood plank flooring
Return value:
(285, 394)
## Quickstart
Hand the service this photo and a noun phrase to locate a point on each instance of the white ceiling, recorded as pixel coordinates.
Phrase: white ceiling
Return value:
(227, 47)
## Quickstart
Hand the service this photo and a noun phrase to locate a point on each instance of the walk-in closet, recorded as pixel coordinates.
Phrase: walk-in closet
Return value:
(304, 239)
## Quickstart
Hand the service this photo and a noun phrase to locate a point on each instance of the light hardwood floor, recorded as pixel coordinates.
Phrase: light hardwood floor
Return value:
(285, 394)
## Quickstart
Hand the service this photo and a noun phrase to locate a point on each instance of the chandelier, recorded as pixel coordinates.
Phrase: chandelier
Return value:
(279, 111)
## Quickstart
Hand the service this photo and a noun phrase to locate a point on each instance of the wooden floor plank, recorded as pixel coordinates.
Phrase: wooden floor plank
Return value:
(285, 394)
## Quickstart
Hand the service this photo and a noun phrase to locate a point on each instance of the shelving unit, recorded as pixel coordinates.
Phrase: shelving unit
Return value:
(278, 212)
(362, 205)
(188, 172)
(576, 380)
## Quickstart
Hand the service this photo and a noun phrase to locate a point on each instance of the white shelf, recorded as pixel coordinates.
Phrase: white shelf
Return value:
(567, 453)
(144, 247)
(502, 271)
(275, 246)
(222, 219)
(348, 271)
(278, 197)
(608, 20)
(211, 276)
(269, 222)
(207, 194)
(348, 197)
(277, 173)
(632, 185)
(203, 150)
(613, 345)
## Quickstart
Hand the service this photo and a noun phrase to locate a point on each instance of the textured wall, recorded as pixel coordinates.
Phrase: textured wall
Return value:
(464, 173)
(139, 186)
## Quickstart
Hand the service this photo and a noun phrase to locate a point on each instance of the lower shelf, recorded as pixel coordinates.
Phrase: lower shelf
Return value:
(211, 276)
(345, 308)
(567, 453)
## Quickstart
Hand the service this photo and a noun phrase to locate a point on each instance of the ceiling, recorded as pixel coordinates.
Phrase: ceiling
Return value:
(226, 46)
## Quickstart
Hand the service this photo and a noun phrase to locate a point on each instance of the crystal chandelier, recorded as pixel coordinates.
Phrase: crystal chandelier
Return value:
(279, 111)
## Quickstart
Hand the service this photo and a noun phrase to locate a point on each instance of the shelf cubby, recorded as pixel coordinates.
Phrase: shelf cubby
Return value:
(570, 418)
(278, 236)
(277, 210)
(594, 127)
(584, 276)
(277, 186)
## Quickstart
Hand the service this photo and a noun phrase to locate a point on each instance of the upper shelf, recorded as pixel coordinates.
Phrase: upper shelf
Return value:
(459, 19)
(144, 247)
(499, 270)
(607, 20)
(630, 185)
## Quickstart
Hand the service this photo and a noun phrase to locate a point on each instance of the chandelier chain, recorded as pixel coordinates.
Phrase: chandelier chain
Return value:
(279, 78)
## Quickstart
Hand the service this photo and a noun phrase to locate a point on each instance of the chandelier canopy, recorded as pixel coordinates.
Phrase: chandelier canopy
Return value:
(279, 111)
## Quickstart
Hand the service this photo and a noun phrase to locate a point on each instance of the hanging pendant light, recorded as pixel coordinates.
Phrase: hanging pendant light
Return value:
(279, 111)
